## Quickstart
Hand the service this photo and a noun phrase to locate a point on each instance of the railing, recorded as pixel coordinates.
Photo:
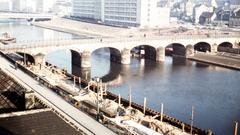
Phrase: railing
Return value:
(66, 42)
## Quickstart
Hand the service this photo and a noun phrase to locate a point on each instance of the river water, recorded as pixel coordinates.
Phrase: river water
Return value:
(178, 83)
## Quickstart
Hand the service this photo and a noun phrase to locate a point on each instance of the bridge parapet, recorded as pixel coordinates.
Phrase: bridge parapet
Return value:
(47, 46)
(128, 39)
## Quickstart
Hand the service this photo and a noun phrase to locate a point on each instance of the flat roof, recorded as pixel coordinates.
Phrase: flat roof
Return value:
(43, 122)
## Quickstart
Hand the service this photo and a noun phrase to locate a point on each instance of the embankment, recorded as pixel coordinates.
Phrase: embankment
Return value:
(219, 60)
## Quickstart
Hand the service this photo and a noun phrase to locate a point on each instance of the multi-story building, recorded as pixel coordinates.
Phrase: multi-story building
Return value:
(133, 13)
(62, 7)
(18, 5)
(45, 5)
(122, 12)
(88, 9)
(6, 5)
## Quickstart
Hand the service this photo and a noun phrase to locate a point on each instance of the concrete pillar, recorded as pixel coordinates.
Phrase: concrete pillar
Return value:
(39, 59)
(81, 64)
(125, 56)
(189, 51)
(214, 48)
(85, 59)
(236, 44)
(160, 54)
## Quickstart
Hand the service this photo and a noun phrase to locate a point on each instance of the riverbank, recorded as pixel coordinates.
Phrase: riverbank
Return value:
(100, 30)
(82, 28)
(219, 60)
(65, 30)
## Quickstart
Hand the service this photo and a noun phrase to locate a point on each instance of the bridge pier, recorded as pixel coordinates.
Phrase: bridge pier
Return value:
(81, 64)
(236, 44)
(189, 51)
(125, 56)
(160, 54)
(82, 60)
(39, 59)
(214, 48)
(85, 59)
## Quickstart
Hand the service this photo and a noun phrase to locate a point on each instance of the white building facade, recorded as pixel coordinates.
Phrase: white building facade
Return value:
(45, 5)
(89, 9)
(6, 5)
(128, 13)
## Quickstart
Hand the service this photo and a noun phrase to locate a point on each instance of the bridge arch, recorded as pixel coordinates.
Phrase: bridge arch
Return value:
(108, 57)
(224, 46)
(145, 51)
(28, 57)
(175, 49)
(115, 54)
(202, 47)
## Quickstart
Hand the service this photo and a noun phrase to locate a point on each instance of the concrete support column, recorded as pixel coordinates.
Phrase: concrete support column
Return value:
(39, 59)
(125, 56)
(189, 51)
(85, 59)
(214, 48)
(81, 64)
(236, 44)
(160, 54)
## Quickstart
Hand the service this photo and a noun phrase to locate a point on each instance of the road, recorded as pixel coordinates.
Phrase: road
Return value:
(84, 122)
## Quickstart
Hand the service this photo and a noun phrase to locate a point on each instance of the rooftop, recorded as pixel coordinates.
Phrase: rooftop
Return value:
(16, 120)
(42, 122)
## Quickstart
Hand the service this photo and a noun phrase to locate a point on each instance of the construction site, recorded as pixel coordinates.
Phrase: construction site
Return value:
(92, 97)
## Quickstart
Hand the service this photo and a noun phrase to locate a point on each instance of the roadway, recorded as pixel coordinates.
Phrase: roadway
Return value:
(84, 122)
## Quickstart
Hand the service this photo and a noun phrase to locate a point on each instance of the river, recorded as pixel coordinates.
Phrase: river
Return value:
(178, 83)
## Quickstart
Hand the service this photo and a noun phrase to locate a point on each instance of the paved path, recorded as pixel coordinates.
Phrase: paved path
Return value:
(217, 60)
(83, 121)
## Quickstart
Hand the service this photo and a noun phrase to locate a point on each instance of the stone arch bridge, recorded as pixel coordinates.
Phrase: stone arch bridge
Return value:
(120, 48)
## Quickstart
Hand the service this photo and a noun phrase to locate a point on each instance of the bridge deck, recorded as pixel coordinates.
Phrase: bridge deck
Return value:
(80, 119)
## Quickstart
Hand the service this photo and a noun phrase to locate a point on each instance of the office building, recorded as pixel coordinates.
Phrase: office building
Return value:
(126, 13)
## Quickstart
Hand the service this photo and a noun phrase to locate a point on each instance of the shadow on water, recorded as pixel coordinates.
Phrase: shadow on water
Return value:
(201, 65)
(114, 72)
(179, 62)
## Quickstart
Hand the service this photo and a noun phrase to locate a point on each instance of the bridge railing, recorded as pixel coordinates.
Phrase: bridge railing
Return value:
(67, 42)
